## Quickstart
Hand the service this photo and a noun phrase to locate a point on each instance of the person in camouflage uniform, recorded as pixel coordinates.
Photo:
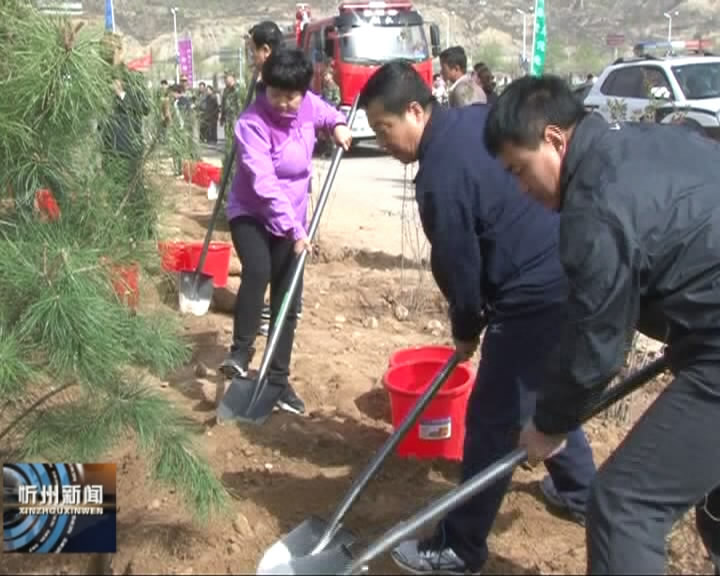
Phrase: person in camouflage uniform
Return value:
(230, 110)
(330, 89)
(331, 94)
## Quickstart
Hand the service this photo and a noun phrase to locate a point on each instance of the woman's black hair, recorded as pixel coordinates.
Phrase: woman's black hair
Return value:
(288, 69)
(267, 33)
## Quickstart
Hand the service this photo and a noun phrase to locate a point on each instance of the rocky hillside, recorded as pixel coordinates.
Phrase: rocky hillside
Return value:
(217, 24)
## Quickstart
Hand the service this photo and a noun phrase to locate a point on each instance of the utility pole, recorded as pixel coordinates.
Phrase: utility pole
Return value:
(669, 16)
(524, 35)
(447, 29)
(177, 51)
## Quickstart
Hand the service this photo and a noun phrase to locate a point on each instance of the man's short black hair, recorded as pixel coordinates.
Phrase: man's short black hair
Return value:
(288, 69)
(267, 32)
(454, 57)
(163, 82)
(526, 107)
(396, 85)
(202, 84)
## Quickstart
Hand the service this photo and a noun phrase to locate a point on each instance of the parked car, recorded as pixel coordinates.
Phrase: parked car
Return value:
(677, 88)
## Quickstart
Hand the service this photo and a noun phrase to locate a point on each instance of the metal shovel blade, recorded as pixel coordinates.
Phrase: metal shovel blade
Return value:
(292, 554)
(237, 402)
(195, 299)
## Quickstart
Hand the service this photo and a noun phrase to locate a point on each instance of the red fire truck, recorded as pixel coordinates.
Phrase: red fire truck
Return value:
(361, 37)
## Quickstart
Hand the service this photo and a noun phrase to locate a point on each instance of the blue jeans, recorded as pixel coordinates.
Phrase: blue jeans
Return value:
(511, 370)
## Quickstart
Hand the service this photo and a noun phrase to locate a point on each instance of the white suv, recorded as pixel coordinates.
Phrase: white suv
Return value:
(678, 88)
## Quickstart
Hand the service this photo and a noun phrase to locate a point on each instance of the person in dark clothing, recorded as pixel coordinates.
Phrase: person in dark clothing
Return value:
(201, 107)
(124, 148)
(494, 257)
(640, 242)
(212, 114)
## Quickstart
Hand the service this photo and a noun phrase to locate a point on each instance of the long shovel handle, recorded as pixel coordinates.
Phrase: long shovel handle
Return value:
(229, 162)
(387, 448)
(279, 323)
(494, 472)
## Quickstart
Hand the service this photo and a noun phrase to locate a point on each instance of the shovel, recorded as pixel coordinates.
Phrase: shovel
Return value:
(196, 288)
(314, 535)
(339, 559)
(253, 401)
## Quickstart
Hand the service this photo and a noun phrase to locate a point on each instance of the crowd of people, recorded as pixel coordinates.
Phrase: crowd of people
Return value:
(455, 87)
(554, 234)
(559, 235)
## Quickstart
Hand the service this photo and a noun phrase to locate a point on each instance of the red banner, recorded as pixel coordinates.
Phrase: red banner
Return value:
(143, 63)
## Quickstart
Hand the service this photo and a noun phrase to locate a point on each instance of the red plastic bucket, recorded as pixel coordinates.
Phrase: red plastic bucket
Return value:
(217, 263)
(124, 279)
(213, 174)
(201, 173)
(440, 430)
(46, 205)
(174, 255)
(424, 354)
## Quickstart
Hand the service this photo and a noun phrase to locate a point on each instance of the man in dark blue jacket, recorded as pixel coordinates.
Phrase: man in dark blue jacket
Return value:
(494, 257)
(640, 240)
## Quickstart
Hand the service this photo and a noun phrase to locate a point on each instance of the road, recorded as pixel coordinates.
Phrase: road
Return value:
(365, 210)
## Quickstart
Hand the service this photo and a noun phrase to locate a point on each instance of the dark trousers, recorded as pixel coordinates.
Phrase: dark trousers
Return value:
(669, 462)
(265, 259)
(203, 128)
(707, 520)
(511, 370)
(212, 130)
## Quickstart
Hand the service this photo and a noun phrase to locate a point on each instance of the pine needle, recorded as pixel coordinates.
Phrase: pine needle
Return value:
(164, 437)
(61, 322)
(15, 371)
(77, 432)
(154, 344)
(85, 430)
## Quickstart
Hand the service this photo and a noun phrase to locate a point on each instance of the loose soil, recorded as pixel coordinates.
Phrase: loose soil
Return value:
(294, 467)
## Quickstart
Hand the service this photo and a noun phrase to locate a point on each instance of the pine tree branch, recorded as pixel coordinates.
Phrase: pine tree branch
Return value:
(34, 406)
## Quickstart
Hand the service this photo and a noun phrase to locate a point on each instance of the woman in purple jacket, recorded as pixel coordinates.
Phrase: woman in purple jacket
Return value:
(267, 206)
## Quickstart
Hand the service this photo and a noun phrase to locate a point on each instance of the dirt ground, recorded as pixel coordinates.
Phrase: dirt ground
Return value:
(294, 467)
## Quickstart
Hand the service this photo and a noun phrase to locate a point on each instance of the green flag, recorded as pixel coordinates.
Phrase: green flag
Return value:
(537, 64)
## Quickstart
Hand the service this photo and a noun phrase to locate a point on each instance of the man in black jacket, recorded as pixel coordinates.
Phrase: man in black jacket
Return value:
(640, 242)
(494, 257)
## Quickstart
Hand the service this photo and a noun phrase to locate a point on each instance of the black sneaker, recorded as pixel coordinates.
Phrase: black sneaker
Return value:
(265, 321)
(291, 402)
(235, 365)
(427, 557)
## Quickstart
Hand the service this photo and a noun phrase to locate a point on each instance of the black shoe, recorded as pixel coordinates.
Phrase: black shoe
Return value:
(291, 402)
(236, 365)
(265, 321)
(429, 556)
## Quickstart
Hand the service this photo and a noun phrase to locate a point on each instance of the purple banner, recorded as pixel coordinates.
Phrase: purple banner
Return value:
(185, 54)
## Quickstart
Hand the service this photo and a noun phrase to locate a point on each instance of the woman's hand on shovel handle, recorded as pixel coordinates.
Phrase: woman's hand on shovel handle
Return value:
(302, 244)
(539, 446)
(342, 136)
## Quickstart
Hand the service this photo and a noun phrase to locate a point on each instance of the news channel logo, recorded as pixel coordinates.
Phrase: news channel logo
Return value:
(56, 508)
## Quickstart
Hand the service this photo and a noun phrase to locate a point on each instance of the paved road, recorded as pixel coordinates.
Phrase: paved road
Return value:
(366, 209)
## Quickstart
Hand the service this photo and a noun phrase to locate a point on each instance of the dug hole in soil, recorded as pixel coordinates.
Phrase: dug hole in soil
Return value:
(294, 467)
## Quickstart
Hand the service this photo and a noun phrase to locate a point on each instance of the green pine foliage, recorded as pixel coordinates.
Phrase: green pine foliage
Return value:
(73, 354)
